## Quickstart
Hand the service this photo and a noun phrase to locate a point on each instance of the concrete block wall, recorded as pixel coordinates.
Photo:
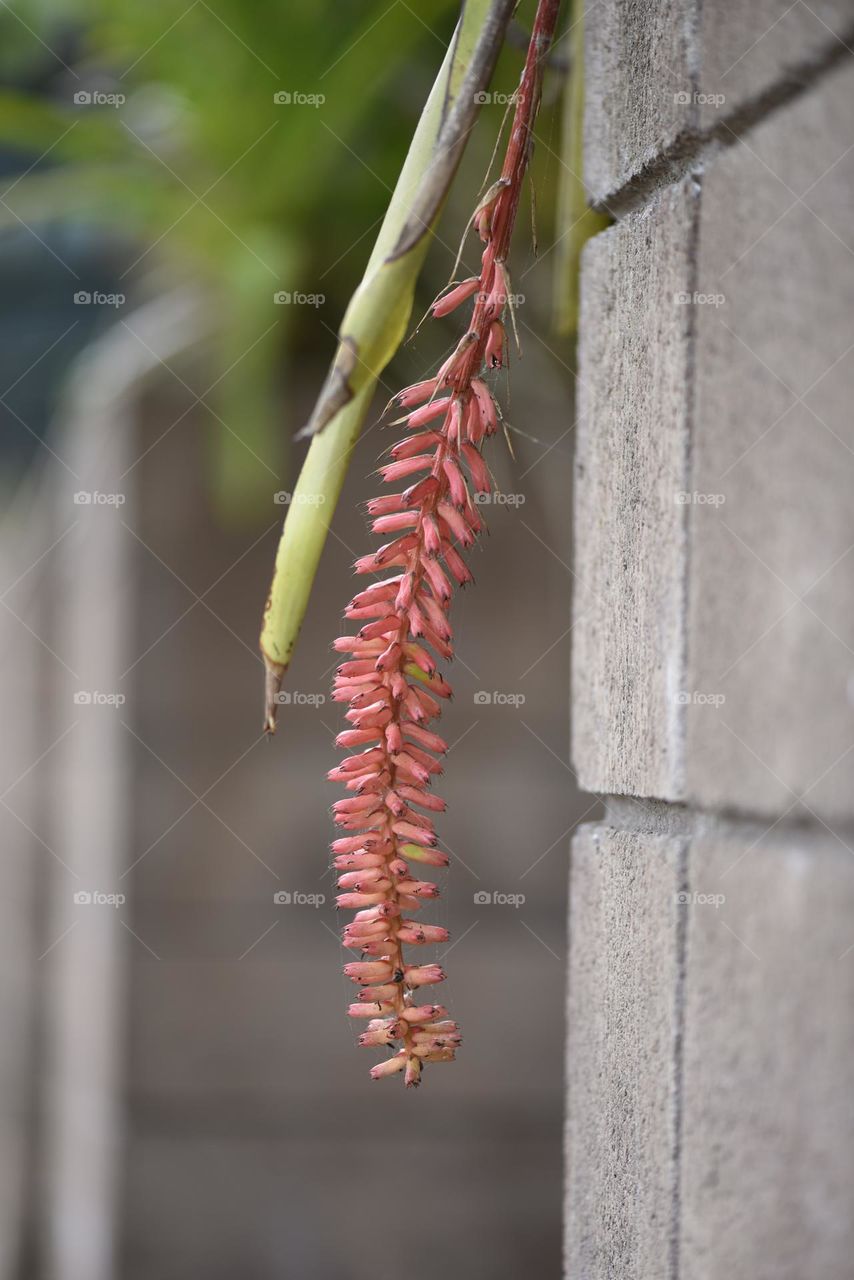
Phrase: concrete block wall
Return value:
(710, 1127)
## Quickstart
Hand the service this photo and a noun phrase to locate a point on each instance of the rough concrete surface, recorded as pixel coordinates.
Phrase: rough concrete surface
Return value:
(622, 1027)
(663, 75)
(771, 616)
(751, 49)
(767, 1143)
(630, 469)
(638, 86)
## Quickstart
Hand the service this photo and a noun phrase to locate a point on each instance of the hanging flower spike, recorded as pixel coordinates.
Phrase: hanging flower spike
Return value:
(390, 678)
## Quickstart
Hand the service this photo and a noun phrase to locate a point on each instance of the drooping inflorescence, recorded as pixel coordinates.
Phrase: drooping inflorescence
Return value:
(390, 678)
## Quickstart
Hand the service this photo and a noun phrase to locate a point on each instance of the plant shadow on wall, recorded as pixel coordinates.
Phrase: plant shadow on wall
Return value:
(244, 1097)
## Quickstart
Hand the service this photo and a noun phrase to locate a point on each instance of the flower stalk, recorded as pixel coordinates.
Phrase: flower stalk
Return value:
(390, 678)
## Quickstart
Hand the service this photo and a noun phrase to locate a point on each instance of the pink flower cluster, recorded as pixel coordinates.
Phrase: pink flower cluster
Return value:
(392, 684)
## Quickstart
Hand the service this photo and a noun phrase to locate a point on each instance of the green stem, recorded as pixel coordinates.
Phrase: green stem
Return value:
(375, 324)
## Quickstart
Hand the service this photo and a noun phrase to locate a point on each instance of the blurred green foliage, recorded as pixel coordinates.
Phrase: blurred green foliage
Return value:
(208, 178)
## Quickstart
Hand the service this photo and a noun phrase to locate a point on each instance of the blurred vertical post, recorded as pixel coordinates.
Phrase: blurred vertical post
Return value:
(93, 628)
(22, 699)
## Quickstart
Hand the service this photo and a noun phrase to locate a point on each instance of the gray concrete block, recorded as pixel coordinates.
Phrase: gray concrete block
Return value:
(771, 594)
(748, 50)
(631, 462)
(622, 1034)
(659, 76)
(729, 413)
(767, 1141)
(710, 1124)
(638, 86)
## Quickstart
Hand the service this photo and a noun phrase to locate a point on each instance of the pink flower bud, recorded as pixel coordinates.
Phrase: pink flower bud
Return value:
(458, 567)
(495, 345)
(409, 448)
(420, 934)
(444, 306)
(394, 802)
(424, 798)
(391, 551)
(357, 861)
(474, 426)
(353, 804)
(377, 590)
(435, 409)
(373, 947)
(486, 405)
(361, 880)
(432, 540)
(353, 900)
(356, 737)
(418, 888)
(366, 971)
(380, 628)
(428, 1054)
(477, 469)
(384, 912)
(418, 654)
(437, 579)
(389, 1067)
(369, 1010)
(385, 505)
(416, 393)
(358, 929)
(415, 1014)
(406, 467)
(379, 994)
(394, 523)
(457, 522)
(429, 857)
(418, 835)
(370, 1038)
(426, 738)
(420, 492)
(423, 975)
(459, 491)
